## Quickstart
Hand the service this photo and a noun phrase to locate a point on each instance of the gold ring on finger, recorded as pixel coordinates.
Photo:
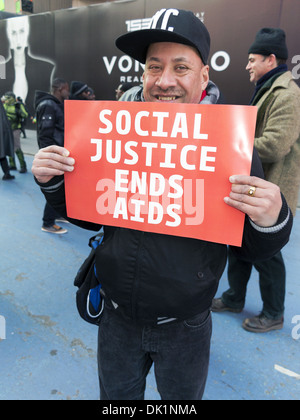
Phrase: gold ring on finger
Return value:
(252, 191)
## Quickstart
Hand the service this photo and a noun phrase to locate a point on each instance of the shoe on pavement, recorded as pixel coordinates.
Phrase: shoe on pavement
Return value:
(8, 177)
(54, 229)
(219, 306)
(262, 324)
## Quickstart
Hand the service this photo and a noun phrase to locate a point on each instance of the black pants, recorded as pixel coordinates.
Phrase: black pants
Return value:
(49, 216)
(272, 282)
(179, 352)
(4, 165)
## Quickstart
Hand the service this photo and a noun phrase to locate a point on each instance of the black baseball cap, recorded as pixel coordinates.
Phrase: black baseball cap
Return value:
(167, 25)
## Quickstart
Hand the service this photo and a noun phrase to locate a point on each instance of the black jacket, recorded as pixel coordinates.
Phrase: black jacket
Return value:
(154, 278)
(151, 277)
(50, 120)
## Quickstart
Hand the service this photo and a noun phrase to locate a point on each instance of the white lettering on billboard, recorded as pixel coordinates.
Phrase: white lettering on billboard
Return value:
(225, 57)
(296, 69)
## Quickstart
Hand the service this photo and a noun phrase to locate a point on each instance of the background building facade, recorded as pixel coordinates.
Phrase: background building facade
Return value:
(41, 6)
(78, 43)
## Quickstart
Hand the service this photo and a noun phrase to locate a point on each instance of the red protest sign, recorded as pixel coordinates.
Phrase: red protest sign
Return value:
(161, 168)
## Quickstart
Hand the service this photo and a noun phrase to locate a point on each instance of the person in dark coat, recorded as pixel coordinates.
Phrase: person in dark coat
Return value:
(49, 108)
(6, 144)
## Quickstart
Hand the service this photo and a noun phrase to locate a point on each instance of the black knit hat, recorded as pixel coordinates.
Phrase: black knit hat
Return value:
(77, 88)
(168, 25)
(270, 41)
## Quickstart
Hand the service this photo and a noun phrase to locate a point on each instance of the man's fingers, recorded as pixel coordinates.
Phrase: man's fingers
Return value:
(55, 149)
(259, 199)
(52, 161)
(248, 180)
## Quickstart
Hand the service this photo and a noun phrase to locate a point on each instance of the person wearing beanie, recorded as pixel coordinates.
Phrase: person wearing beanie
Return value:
(79, 91)
(159, 288)
(277, 140)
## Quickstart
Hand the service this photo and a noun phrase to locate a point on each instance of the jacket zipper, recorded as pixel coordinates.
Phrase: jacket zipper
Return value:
(137, 277)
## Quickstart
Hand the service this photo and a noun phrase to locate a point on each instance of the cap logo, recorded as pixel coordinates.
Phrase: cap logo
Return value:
(164, 25)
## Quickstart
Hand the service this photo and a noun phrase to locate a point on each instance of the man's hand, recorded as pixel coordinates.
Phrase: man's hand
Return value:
(51, 161)
(263, 205)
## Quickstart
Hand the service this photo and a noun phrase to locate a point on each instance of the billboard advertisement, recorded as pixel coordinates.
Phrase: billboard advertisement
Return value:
(79, 44)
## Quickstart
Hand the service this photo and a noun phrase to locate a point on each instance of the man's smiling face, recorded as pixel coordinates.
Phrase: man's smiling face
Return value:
(258, 65)
(174, 73)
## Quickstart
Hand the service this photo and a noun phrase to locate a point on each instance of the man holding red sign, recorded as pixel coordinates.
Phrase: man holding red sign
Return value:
(158, 287)
(157, 167)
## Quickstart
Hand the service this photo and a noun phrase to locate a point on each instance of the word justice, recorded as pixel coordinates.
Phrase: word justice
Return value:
(150, 153)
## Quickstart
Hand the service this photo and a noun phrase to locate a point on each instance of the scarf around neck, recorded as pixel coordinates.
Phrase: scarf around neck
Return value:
(211, 97)
(262, 86)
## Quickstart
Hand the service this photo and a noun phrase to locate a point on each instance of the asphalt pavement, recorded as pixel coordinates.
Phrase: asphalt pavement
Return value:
(48, 353)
